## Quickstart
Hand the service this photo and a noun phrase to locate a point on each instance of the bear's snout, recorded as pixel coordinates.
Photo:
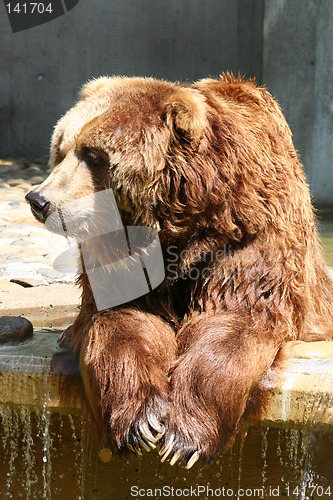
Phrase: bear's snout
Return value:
(39, 205)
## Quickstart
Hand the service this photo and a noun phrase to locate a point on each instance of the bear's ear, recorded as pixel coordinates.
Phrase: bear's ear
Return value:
(186, 112)
(92, 86)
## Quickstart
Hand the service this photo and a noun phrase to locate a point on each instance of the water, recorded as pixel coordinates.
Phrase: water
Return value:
(31, 356)
(44, 426)
(290, 462)
(37, 457)
(28, 453)
(34, 436)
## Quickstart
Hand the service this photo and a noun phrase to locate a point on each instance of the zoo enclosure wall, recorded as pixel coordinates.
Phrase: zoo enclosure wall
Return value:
(285, 44)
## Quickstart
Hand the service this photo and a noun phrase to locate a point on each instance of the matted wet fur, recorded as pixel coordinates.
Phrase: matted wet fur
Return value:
(213, 168)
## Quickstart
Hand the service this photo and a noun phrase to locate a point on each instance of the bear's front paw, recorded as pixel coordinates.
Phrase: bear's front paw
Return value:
(140, 426)
(190, 436)
(124, 361)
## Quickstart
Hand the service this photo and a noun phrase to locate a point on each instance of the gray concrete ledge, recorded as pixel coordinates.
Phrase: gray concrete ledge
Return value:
(303, 396)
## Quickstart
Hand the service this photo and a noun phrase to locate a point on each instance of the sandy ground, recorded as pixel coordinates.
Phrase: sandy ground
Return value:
(29, 284)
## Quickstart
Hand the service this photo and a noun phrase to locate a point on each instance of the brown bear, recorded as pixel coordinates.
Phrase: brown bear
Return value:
(211, 167)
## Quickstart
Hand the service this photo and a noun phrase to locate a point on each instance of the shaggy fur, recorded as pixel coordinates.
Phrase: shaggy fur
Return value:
(213, 168)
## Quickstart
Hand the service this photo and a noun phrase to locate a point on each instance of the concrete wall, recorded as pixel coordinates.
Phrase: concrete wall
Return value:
(286, 44)
(298, 69)
(42, 68)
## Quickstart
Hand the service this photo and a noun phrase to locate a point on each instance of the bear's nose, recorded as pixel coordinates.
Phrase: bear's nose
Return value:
(39, 204)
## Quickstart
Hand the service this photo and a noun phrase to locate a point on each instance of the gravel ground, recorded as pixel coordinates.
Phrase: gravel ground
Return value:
(27, 250)
(29, 284)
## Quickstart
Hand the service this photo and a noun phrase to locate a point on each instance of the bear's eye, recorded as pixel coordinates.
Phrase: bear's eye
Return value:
(93, 157)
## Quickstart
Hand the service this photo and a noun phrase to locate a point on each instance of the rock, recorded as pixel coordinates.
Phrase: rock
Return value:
(27, 282)
(50, 273)
(15, 182)
(15, 267)
(33, 168)
(21, 243)
(7, 241)
(37, 179)
(24, 185)
(311, 350)
(15, 329)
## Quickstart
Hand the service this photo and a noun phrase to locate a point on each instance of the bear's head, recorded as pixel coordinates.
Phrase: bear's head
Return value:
(212, 160)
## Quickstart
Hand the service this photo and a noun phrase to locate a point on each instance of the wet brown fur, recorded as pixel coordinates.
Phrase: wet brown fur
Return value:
(212, 166)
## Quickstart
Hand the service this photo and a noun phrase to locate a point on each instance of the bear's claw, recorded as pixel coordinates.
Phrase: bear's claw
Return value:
(135, 449)
(176, 453)
(167, 448)
(147, 439)
(147, 435)
(194, 458)
(155, 424)
(175, 457)
(145, 446)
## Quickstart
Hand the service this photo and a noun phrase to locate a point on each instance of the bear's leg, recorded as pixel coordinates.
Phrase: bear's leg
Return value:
(124, 362)
(221, 359)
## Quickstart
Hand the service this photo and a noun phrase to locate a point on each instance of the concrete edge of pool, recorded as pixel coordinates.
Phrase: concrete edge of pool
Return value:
(303, 395)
